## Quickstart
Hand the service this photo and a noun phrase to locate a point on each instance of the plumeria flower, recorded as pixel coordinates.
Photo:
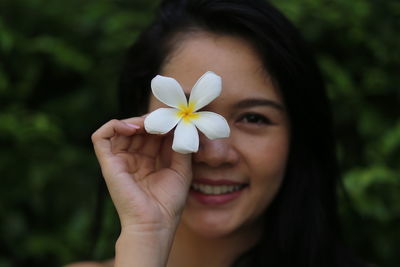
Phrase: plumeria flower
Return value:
(185, 115)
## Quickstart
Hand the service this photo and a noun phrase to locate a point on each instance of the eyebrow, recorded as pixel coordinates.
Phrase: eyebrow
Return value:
(252, 102)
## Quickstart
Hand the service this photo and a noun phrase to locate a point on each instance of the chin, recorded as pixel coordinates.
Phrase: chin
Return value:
(209, 224)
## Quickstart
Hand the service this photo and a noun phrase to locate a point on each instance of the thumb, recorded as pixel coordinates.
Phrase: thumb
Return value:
(182, 164)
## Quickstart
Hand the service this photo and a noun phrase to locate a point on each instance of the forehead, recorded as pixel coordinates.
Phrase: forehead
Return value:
(232, 58)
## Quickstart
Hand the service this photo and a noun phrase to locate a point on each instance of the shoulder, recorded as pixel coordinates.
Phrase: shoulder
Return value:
(109, 263)
(85, 264)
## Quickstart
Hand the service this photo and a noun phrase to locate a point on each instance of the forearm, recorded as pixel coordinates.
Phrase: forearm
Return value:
(138, 249)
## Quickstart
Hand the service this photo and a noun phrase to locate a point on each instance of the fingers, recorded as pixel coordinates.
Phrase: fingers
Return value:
(151, 146)
(102, 137)
(129, 135)
(136, 121)
(125, 136)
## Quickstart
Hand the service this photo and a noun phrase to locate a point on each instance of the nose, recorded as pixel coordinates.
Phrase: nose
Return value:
(216, 152)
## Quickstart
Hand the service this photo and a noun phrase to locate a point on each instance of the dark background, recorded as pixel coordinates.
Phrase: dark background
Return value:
(59, 65)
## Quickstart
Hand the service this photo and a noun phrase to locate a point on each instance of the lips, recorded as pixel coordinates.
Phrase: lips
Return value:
(216, 192)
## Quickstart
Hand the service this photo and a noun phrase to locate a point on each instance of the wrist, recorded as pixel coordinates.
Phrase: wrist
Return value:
(143, 245)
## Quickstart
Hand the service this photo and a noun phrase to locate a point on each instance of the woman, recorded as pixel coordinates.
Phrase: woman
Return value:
(279, 158)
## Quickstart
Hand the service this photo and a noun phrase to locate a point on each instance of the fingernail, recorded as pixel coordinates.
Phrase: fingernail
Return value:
(133, 126)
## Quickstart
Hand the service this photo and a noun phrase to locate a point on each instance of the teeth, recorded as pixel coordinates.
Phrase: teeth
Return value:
(216, 189)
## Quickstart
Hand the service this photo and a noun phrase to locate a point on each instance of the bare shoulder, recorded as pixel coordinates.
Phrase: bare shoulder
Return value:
(85, 264)
(109, 263)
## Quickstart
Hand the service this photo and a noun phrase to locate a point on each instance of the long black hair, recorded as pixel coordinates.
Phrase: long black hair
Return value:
(302, 226)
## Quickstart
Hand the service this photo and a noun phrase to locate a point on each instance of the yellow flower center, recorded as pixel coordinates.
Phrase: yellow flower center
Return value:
(186, 112)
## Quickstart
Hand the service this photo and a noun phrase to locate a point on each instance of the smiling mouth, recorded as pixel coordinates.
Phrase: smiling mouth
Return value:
(216, 189)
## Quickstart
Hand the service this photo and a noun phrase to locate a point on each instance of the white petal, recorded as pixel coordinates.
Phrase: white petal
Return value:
(186, 138)
(168, 91)
(206, 89)
(212, 125)
(161, 120)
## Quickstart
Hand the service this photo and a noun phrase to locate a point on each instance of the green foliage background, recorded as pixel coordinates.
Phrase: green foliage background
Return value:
(59, 64)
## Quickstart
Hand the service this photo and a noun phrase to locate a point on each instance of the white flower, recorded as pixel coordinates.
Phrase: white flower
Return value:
(184, 115)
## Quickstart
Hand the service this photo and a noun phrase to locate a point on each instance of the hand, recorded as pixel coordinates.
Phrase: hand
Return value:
(147, 197)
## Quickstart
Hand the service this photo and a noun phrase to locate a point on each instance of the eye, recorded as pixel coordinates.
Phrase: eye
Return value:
(254, 118)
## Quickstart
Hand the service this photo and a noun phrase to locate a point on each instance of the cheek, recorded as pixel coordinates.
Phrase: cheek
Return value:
(266, 157)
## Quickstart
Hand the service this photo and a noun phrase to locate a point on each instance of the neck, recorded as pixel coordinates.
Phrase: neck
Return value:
(191, 249)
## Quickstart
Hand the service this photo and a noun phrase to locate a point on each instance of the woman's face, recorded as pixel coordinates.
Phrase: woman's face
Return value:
(252, 161)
